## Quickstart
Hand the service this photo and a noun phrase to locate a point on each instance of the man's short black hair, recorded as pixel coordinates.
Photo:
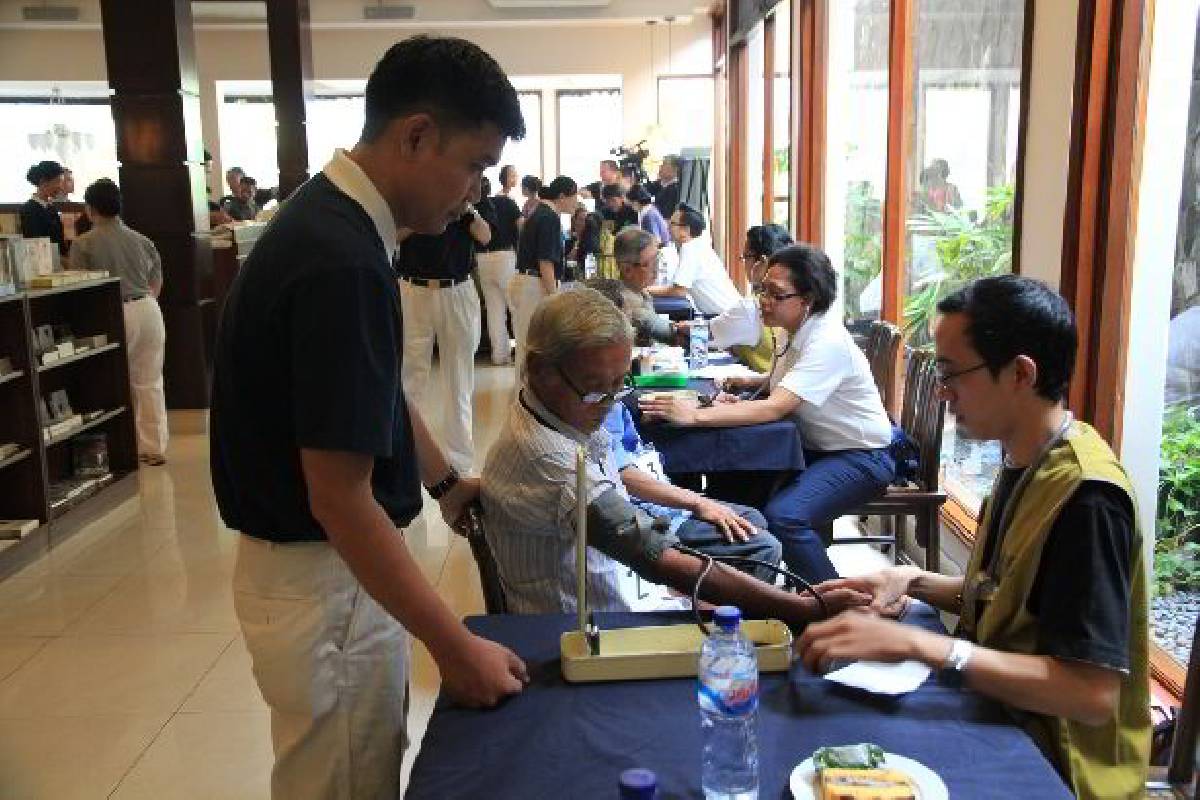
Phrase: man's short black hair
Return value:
(811, 273)
(638, 194)
(561, 186)
(611, 190)
(105, 197)
(452, 80)
(531, 183)
(246, 180)
(610, 163)
(507, 168)
(1010, 316)
(764, 240)
(44, 171)
(691, 219)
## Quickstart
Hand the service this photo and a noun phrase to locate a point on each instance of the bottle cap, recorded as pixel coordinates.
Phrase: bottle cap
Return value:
(638, 784)
(727, 617)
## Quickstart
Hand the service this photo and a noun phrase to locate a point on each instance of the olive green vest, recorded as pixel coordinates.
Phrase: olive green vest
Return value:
(1105, 761)
(758, 357)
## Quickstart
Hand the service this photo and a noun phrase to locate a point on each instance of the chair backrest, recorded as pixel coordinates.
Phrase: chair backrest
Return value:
(884, 351)
(489, 574)
(924, 415)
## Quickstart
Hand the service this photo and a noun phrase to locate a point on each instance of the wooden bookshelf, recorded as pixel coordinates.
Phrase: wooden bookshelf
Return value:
(95, 380)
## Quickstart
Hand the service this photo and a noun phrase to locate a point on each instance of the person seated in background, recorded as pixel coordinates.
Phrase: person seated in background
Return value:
(823, 382)
(649, 217)
(636, 254)
(240, 206)
(701, 523)
(740, 330)
(215, 215)
(578, 354)
(1053, 605)
(614, 209)
(700, 274)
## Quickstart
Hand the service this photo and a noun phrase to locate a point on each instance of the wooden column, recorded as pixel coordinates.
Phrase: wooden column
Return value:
(1108, 118)
(290, 43)
(809, 79)
(768, 150)
(739, 161)
(150, 54)
(899, 137)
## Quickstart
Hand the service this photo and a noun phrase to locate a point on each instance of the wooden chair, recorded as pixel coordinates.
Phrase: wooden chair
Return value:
(885, 352)
(922, 416)
(494, 600)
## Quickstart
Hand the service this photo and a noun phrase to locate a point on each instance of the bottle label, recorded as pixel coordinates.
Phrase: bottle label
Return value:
(738, 700)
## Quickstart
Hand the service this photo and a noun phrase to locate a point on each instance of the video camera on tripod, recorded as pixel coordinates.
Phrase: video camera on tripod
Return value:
(631, 160)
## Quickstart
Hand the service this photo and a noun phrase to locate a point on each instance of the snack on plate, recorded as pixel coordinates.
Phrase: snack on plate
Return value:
(848, 756)
(865, 784)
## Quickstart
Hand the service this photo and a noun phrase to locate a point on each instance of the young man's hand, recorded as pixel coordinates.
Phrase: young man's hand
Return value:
(479, 673)
(860, 635)
(888, 588)
(454, 503)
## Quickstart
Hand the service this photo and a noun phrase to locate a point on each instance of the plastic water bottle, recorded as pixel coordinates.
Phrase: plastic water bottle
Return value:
(698, 350)
(589, 266)
(638, 784)
(727, 692)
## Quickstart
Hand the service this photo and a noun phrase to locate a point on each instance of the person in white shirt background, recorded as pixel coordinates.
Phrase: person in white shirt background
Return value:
(700, 274)
(822, 381)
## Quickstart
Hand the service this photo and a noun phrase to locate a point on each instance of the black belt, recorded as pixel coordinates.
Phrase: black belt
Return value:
(135, 298)
(536, 273)
(435, 283)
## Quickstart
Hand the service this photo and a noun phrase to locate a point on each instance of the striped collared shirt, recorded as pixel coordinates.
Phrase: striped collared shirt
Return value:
(529, 502)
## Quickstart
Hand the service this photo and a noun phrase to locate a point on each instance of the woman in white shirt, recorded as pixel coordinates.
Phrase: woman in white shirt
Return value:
(822, 380)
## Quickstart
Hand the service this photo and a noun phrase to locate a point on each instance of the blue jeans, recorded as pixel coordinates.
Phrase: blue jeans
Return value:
(704, 536)
(834, 483)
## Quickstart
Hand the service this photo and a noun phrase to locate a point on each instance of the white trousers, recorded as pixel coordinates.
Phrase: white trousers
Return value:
(495, 271)
(449, 317)
(524, 294)
(333, 667)
(146, 342)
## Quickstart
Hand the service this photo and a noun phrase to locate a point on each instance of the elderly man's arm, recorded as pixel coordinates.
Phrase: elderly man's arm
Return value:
(621, 531)
(673, 290)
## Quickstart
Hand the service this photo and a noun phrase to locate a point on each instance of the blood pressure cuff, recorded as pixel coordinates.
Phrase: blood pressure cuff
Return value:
(625, 533)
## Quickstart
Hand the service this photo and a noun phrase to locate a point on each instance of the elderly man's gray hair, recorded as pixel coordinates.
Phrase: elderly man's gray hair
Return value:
(629, 244)
(572, 320)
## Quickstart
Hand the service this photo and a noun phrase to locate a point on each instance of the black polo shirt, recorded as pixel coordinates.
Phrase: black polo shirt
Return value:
(501, 214)
(623, 216)
(38, 220)
(450, 254)
(541, 240)
(308, 356)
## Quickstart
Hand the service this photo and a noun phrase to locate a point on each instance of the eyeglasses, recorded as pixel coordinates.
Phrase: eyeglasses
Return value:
(775, 297)
(596, 398)
(944, 378)
(749, 256)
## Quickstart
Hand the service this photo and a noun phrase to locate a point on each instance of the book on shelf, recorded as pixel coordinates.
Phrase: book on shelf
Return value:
(67, 425)
(8, 449)
(66, 278)
(16, 528)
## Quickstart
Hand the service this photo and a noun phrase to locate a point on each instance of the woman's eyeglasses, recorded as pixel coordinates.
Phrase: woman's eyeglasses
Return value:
(775, 297)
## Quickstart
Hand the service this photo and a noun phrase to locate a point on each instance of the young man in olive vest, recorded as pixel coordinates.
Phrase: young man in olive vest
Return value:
(1053, 606)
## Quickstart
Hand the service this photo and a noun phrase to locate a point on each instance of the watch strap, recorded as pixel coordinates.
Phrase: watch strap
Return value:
(442, 487)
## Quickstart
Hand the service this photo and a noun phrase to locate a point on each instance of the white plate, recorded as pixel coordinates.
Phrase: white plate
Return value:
(929, 786)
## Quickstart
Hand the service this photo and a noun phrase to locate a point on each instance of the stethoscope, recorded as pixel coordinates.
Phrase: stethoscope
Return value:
(981, 587)
(776, 353)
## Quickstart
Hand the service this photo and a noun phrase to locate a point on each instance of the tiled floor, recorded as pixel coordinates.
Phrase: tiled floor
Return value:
(122, 672)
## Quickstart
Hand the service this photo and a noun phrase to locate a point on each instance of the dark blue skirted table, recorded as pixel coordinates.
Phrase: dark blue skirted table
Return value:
(558, 740)
(677, 308)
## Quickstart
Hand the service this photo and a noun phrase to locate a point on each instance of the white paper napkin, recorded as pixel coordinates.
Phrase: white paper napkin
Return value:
(880, 678)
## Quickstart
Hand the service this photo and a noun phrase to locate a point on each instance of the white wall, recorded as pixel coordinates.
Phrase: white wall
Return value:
(1154, 248)
(1048, 139)
(602, 47)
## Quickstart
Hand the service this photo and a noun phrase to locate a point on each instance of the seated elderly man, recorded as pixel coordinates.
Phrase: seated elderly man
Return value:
(636, 254)
(577, 358)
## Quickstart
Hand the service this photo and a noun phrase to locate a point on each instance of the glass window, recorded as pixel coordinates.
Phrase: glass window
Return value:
(856, 152)
(755, 129)
(589, 126)
(526, 154)
(332, 122)
(247, 126)
(77, 133)
(781, 134)
(961, 170)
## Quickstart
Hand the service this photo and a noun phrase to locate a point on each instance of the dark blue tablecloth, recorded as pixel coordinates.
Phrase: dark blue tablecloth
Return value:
(558, 740)
(675, 307)
(768, 447)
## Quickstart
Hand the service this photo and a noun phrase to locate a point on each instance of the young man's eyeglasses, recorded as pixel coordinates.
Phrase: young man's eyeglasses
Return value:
(595, 398)
(944, 378)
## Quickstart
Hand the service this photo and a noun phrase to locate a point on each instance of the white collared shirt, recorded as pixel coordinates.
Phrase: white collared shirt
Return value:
(841, 408)
(701, 272)
(349, 177)
(529, 500)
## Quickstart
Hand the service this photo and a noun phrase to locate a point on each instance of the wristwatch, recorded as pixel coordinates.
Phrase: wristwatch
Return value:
(443, 487)
(953, 671)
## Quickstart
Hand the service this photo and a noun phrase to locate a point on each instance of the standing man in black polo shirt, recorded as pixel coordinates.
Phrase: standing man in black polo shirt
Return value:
(666, 188)
(439, 303)
(316, 457)
(540, 261)
(497, 261)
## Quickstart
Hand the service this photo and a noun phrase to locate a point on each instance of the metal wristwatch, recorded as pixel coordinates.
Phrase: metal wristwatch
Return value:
(443, 487)
(953, 671)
